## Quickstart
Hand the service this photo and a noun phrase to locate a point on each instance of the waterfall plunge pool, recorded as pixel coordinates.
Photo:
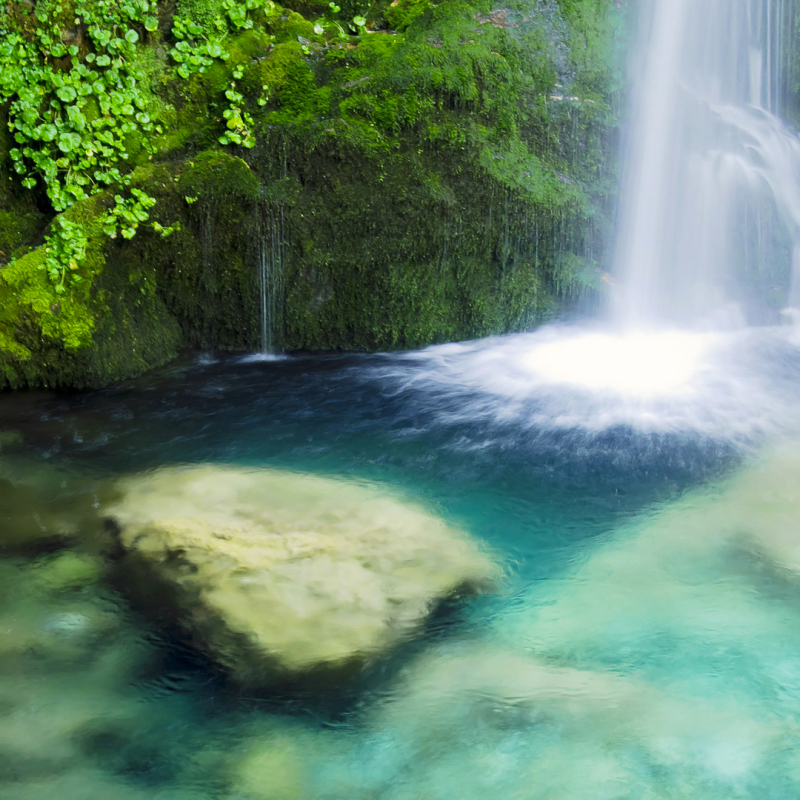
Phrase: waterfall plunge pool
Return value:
(642, 644)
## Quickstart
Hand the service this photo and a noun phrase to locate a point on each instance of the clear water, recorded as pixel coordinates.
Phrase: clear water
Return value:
(643, 645)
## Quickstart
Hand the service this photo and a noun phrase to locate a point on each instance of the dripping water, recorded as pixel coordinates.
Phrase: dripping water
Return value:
(270, 265)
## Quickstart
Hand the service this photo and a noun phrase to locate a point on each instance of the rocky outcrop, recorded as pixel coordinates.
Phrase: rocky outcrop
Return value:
(428, 173)
(274, 573)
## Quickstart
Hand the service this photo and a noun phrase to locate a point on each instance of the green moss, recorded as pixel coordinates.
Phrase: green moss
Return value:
(21, 223)
(292, 86)
(206, 273)
(290, 25)
(465, 197)
(410, 256)
(415, 186)
(212, 174)
(196, 125)
(402, 13)
(17, 229)
(204, 12)
(99, 331)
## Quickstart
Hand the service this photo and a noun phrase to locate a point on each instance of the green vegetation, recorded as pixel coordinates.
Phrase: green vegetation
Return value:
(418, 171)
(76, 96)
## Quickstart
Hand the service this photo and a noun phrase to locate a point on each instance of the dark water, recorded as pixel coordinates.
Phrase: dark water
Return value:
(643, 645)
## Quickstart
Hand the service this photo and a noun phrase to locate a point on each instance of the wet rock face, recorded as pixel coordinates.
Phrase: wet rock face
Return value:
(274, 573)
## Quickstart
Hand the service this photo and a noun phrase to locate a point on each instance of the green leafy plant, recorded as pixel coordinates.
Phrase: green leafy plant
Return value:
(239, 123)
(197, 47)
(65, 252)
(129, 213)
(358, 24)
(77, 103)
(73, 108)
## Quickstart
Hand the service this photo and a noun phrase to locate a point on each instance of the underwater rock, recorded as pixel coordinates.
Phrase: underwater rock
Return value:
(44, 507)
(71, 635)
(765, 505)
(475, 721)
(40, 719)
(713, 573)
(661, 661)
(68, 570)
(273, 573)
(10, 440)
(275, 767)
(281, 757)
(80, 784)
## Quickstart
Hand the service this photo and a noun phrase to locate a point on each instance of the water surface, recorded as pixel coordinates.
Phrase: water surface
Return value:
(643, 645)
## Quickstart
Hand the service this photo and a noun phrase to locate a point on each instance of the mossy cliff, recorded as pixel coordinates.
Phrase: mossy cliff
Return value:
(387, 176)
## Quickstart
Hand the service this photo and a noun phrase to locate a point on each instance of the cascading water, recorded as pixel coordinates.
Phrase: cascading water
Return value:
(270, 273)
(709, 231)
(710, 199)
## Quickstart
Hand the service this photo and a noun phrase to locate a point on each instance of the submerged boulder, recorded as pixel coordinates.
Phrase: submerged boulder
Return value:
(476, 720)
(43, 506)
(273, 573)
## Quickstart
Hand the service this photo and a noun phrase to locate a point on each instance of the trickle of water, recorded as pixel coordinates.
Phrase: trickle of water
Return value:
(270, 272)
(709, 196)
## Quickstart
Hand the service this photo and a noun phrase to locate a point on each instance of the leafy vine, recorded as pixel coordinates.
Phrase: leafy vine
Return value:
(79, 105)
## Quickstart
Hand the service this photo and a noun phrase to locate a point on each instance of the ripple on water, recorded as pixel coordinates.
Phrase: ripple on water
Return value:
(654, 658)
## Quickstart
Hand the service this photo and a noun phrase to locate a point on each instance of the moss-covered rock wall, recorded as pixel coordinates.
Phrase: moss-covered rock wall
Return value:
(371, 176)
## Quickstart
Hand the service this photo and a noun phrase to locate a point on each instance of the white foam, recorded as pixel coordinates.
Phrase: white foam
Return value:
(724, 384)
(262, 358)
(644, 364)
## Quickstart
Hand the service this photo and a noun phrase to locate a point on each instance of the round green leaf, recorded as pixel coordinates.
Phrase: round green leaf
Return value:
(68, 142)
(66, 94)
(131, 36)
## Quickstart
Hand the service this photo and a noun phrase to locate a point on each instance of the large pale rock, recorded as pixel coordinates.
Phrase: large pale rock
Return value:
(274, 572)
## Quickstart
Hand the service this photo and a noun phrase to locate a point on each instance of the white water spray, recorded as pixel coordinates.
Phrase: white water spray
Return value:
(710, 201)
(709, 219)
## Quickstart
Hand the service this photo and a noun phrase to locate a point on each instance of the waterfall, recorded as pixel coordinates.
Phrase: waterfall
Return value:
(710, 196)
(270, 271)
(709, 225)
